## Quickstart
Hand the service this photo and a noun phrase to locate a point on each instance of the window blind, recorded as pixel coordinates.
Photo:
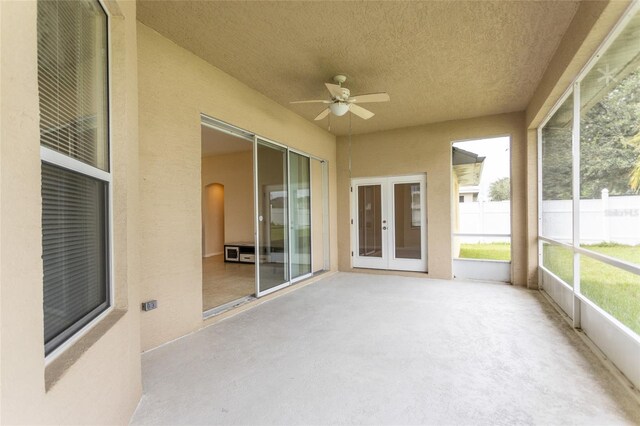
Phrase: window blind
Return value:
(74, 250)
(72, 69)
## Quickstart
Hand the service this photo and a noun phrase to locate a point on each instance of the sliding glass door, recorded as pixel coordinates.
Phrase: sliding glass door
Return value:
(300, 214)
(290, 226)
(284, 221)
(272, 261)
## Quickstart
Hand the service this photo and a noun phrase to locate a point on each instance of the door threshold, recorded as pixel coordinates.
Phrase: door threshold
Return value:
(227, 306)
(469, 259)
(400, 273)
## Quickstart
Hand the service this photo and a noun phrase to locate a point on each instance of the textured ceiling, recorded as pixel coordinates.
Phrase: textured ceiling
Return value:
(437, 60)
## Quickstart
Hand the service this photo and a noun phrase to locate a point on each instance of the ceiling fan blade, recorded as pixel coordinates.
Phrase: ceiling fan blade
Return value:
(370, 97)
(322, 115)
(315, 101)
(334, 89)
(360, 112)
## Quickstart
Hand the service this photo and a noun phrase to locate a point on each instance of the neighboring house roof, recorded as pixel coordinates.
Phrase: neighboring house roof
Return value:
(467, 166)
(469, 190)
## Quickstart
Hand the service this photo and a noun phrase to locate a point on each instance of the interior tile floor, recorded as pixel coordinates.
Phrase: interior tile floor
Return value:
(224, 282)
(379, 349)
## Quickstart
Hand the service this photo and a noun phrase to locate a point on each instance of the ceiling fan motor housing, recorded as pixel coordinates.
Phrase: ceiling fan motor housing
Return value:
(345, 93)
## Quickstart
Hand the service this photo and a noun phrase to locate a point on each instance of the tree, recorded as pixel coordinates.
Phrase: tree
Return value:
(607, 159)
(609, 146)
(556, 162)
(634, 178)
(500, 190)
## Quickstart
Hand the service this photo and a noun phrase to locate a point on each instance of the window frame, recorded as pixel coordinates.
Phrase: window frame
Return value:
(574, 89)
(52, 157)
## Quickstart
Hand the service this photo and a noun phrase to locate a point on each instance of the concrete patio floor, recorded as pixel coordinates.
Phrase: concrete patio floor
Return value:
(379, 349)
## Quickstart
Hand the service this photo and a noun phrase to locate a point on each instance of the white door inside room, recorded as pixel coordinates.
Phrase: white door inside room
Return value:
(389, 223)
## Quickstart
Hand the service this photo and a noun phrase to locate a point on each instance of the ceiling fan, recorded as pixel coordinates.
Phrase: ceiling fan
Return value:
(341, 100)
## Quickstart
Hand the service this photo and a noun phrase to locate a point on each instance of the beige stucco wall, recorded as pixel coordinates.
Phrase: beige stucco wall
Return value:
(427, 149)
(103, 384)
(175, 86)
(235, 172)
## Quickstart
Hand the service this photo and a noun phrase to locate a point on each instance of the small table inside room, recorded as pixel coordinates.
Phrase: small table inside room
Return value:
(240, 252)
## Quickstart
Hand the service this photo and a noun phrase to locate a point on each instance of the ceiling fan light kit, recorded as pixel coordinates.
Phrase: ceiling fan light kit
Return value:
(339, 108)
(341, 100)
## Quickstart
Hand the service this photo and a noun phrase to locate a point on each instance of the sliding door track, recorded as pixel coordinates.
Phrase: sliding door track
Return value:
(227, 306)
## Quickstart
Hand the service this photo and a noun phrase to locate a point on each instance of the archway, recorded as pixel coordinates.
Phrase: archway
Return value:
(213, 220)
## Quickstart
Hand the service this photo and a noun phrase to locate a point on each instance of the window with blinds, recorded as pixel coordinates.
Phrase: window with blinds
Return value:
(72, 84)
(72, 70)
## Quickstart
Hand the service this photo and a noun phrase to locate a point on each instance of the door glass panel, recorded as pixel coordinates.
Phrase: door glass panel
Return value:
(407, 220)
(273, 268)
(318, 202)
(369, 221)
(300, 227)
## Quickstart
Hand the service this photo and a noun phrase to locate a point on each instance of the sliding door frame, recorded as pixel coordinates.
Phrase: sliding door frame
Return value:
(258, 255)
(230, 129)
(290, 208)
(324, 163)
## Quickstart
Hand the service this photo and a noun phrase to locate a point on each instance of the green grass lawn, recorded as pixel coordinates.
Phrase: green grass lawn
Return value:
(488, 251)
(614, 290)
(628, 253)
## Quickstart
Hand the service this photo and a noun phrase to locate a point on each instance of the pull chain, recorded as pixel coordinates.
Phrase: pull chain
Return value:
(350, 117)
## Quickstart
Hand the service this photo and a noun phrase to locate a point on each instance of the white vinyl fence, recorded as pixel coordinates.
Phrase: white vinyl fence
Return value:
(609, 219)
(484, 217)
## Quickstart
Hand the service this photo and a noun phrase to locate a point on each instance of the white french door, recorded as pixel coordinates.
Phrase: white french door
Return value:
(389, 221)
